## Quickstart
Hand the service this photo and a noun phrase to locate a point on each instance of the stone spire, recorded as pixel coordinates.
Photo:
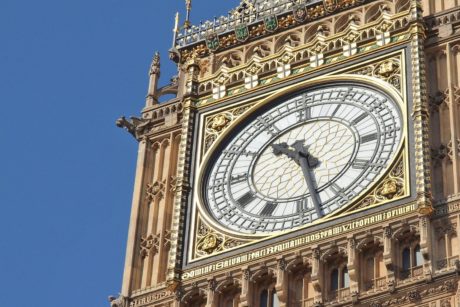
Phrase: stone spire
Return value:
(154, 75)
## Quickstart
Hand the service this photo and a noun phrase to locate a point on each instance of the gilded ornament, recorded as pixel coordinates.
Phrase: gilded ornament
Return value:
(386, 68)
(219, 122)
(208, 241)
(389, 189)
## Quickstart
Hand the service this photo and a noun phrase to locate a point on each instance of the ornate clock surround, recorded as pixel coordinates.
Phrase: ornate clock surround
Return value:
(350, 71)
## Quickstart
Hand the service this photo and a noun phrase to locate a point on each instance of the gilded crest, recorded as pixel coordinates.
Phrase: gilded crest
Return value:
(241, 32)
(212, 41)
(271, 23)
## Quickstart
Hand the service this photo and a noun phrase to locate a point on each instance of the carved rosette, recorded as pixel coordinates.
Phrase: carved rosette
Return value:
(209, 241)
(216, 124)
(391, 187)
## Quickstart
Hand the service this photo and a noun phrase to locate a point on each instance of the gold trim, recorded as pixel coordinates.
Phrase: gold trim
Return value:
(399, 56)
(303, 85)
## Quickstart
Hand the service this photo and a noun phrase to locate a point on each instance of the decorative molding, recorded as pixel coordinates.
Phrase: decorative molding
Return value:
(217, 123)
(149, 245)
(209, 241)
(388, 70)
(392, 186)
(155, 190)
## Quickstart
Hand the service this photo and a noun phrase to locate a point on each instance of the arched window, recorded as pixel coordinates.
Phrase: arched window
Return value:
(264, 298)
(345, 278)
(275, 300)
(228, 302)
(418, 256)
(335, 280)
(406, 259)
(370, 265)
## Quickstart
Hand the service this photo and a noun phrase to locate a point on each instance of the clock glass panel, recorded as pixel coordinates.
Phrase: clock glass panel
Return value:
(301, 158)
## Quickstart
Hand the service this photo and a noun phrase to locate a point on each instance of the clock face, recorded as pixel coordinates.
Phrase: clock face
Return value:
(302, 158)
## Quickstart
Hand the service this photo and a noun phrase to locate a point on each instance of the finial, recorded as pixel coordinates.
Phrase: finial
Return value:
(176, 29)
(188, 6)
(155, 66)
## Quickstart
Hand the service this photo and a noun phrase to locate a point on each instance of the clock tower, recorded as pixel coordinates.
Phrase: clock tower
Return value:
(310, 157)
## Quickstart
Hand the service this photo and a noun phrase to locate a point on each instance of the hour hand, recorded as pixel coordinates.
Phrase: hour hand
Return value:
(283, 149)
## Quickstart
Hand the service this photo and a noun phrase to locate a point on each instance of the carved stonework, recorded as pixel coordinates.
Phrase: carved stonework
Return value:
(391, 187)
(155, 190)
(388, 70)
(119, 301)
(136, 126)
(149, 244)
(321, 48)
(216, 124)
(208, 241)
(173, 183)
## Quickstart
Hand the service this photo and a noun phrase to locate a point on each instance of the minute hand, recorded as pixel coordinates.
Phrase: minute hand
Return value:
(304, 165)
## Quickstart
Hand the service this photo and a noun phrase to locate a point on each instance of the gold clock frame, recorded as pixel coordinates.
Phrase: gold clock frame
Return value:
(351, 74)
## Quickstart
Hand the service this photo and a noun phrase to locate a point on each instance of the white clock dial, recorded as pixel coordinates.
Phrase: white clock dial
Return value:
(302, 159)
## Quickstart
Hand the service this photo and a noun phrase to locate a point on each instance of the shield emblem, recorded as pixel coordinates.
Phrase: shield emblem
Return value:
(330, 5)
(212, 41)
(241, 32)
(271, 23)
(300, 13)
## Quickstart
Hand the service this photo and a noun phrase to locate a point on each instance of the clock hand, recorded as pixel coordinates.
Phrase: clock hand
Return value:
(307, 162)
(309, 178)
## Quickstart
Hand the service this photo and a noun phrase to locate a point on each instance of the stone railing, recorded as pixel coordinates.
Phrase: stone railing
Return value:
(339, 295)
(411, 273)
(227, 23)
(376, 284)
(447, 262)
(309, 302)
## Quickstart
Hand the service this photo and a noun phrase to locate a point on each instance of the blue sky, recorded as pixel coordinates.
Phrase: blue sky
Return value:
(68, 70)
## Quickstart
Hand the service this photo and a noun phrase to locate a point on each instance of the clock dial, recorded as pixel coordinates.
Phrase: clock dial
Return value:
(302, 159)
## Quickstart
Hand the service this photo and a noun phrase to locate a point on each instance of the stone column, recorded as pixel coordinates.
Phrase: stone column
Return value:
(211, 297)
(281, 286)
(315, 274)
(131, 270)
(388, 255)
(426, 246)
(245, 297)
(352, 265)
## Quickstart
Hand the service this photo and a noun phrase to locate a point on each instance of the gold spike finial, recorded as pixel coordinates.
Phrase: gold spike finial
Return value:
(188, 6)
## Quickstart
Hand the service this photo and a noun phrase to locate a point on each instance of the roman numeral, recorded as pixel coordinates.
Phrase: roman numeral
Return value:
(369, 138)
(239, 152)
(271, 128)
(244, 200)
(218, 186)
(360, 164)
(363, 164)
(338, 190)
(336, 110)
(305, 114)
(359, 118)
(302, 205)
(238, 178)
(268, 209)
